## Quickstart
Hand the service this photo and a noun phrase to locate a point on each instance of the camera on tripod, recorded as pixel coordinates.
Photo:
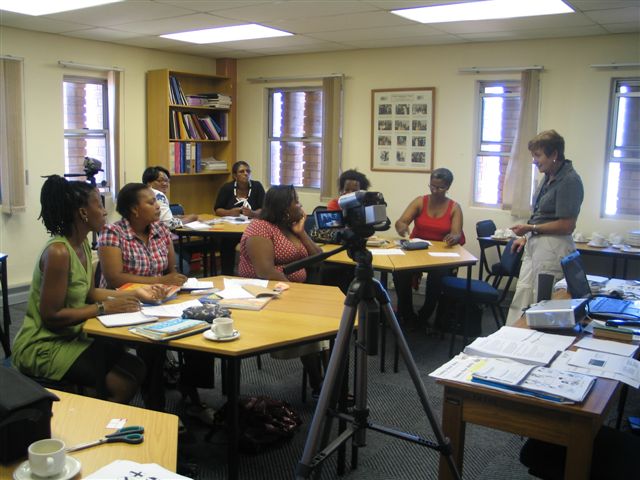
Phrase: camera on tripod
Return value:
(91, 168)
(361, 210)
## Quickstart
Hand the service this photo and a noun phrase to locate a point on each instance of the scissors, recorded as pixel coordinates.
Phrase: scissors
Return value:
(132, 435)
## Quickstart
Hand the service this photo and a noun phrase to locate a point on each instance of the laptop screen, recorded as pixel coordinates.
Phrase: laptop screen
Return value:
(577, 283)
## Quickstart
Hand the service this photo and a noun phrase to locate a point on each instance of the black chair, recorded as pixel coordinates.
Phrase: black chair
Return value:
(481, 292)
(486, 228)
(4, 329)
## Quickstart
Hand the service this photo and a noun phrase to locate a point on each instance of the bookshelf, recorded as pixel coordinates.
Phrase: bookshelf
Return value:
(177, 128)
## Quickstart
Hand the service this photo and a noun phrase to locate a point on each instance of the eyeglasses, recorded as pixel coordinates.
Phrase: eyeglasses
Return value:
(439, 188)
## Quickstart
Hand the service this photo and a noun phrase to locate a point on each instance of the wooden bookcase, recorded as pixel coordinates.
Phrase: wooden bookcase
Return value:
(195, 191)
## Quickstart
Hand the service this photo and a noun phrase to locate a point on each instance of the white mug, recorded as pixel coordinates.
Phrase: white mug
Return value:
(598, 239)
(47, 457)
(615, 238)
(578, 237)
(222, 327)
(499, 233)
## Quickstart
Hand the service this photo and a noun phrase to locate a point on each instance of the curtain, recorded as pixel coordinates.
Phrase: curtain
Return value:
(116, 127)
(332, 99)
(12, 170)
(516, 194)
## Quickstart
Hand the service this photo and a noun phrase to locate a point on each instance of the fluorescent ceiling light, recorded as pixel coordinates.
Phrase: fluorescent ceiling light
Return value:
(484, 10)
(45, 7)
(227, 34)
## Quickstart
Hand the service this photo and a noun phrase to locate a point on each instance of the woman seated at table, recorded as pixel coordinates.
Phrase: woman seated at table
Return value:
(139, 249)
(348, 182)
(158, 180)
(435, 217)
(51, 343)
(272, 241)
(243, 196)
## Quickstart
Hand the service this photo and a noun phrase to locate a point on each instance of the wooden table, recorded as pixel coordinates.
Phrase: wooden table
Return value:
(218, 230)
(412, 260)
(77, 419)
(303, 314)
(611, 253)
(573, 426)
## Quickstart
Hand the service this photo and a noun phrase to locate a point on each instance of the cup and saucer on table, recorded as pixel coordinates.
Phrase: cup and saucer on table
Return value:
(578, 237)
(221, 330)
(48, 459)
(503, 234)
(598, 241)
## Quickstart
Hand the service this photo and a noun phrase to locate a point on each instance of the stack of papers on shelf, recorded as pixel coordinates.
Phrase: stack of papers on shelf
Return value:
(169, 329)
(211, 163)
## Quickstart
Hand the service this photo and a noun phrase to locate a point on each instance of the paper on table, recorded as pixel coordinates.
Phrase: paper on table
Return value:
(608, 346)
(565, 359)
(627, 368)
(171, 310)
(122, 319)
(235, 292)
(504, 371)
(239, 282)
(195, 284)
(386, 251)
(559, 342)
(459, 368)
(197, 225)
(524, 352)
(122, 469)
(444, 254)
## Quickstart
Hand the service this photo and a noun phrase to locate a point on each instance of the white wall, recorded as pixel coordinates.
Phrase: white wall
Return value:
(574, 101)
(22, 235)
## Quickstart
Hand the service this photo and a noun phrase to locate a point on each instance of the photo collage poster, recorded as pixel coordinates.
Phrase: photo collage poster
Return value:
(402, 130)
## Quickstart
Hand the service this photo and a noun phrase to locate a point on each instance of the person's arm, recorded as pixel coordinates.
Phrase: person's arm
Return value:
(224, 199)
(54, 265)
(188, 218)
(301, 233)
(262, 257)
(228, 212)
(562, 226)
(409, 215)
(454, 236)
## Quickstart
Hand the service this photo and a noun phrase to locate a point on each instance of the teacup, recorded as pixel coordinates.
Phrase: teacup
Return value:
(598, 239)
(579, 237)
(499, 233)
(509, 233)
(615, 238)
(47, 457)
(222, 327)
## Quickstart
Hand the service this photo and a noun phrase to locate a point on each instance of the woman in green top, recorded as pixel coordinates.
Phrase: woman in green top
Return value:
(51, 343)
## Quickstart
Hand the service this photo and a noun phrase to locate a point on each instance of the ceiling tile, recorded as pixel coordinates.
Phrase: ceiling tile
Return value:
(579, 31)
(588, 5)
(376, 33)
(196, 21)
(617, 15)
(406, 41)
(39, 24)
(627, 27)
(101, 34)
(341, 22)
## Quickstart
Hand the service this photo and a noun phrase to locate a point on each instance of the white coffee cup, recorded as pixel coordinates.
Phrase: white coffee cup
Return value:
(222, 327)
(578, 237)
(499, 233)
(598, 239)
(615, 238)
(47, 457)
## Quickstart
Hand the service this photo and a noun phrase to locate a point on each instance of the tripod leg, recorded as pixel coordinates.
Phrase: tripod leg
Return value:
(412, 368)
(332, 382)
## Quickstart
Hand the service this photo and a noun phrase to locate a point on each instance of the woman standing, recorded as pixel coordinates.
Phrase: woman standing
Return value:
(435, 217)
(51, 343)
(243, 196)
(269, 243)
(546, 237)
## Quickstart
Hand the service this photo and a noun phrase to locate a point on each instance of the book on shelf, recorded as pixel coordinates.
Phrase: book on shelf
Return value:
(170, 329)
(540, 382)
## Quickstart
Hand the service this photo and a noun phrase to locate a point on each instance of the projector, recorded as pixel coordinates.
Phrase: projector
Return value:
(556, 313)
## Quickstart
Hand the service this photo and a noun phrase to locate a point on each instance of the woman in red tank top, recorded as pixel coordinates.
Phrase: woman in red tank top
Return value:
(434, 217)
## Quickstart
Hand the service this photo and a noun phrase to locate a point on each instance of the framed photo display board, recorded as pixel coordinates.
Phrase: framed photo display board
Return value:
(402, 129)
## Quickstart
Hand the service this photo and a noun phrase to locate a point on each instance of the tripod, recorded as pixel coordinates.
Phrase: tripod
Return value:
(365, 295)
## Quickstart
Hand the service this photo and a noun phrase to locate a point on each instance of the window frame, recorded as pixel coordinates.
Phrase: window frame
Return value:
(480, 85)
(106, 132)
(610, 147)
(311, 139)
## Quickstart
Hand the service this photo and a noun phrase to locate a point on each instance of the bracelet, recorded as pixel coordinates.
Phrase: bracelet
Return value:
(100, 306)
(535, 229)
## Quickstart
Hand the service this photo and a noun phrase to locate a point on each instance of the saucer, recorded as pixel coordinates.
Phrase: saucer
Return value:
(209, 335)
(591, 244)
(71, 469)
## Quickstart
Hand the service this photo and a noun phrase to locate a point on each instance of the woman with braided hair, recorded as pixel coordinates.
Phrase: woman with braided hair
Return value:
(51, 343)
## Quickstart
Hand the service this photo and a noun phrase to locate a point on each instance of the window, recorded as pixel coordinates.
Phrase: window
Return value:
(622, 169)
(498, 123)
(86, 127)
(295, 136)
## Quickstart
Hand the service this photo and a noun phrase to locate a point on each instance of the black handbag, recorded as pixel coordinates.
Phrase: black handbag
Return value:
(25, 414)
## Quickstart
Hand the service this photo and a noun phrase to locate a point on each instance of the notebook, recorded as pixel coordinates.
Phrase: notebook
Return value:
(597, 307)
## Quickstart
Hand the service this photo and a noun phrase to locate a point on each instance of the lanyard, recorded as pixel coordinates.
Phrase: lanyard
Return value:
(244, 201)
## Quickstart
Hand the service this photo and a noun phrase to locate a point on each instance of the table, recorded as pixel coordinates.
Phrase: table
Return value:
(279, 324)
(416, 260)
(614, 254)
(218, 230)
(77, 419)
(574, 426)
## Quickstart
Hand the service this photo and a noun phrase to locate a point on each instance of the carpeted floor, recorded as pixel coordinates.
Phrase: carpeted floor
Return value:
(489, 454)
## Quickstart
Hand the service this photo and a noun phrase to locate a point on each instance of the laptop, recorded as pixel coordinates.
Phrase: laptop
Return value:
(597, 306)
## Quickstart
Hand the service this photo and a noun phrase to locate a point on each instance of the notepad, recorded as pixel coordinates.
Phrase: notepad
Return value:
(125, 319)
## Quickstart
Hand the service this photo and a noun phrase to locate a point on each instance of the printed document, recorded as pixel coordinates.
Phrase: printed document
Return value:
(607, 346)
(172, 309)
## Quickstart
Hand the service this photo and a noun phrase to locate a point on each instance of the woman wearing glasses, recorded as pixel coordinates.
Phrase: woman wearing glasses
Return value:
(435, 217)
(243, 196)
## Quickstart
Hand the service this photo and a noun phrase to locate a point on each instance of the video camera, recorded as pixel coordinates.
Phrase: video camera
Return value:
(361, 211)
(92, 166)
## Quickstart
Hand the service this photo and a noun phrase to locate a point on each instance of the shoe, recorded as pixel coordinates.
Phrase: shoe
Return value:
(203, 413)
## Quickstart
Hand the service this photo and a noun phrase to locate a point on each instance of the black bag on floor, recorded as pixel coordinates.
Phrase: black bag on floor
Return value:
(264, 422)
(25, 414)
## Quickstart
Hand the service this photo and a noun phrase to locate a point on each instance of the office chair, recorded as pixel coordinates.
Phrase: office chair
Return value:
(482, 292)
(486, 228)
(176, 209)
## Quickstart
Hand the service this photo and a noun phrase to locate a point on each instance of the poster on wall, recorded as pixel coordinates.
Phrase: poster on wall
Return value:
(402, 129)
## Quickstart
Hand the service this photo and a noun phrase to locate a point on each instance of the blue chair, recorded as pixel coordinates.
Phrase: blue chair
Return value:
(482, 292)
(486, 228)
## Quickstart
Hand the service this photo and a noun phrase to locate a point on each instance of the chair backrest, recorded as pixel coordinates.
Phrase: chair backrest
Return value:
(319, 207)
(176, 209)
(511, 261)
(485, 228)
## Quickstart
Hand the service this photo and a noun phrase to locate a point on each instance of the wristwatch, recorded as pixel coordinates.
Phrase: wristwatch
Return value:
(100, 306)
